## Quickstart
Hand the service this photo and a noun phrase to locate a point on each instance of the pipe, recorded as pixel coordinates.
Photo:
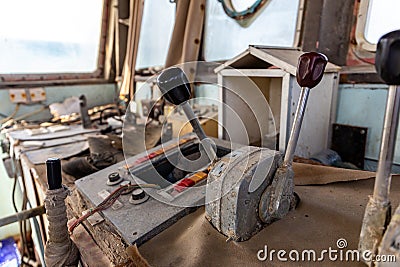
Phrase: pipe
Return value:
(23, 215)
(383, 175)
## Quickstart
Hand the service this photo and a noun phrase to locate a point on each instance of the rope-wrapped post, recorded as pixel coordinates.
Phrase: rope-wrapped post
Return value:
(60, 250)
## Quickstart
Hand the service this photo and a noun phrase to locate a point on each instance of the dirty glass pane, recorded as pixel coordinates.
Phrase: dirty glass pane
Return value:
(225, 38)
(382, 18)
(156, 30)
(47, 36)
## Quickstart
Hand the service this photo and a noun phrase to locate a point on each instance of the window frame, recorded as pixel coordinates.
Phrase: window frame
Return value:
(362, 17)
(296, 38)
(38, 79)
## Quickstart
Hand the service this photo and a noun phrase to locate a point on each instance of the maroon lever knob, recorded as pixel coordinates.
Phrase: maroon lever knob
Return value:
(310, 69)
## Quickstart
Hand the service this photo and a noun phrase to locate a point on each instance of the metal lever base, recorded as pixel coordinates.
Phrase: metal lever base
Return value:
(390, 244)
(279, 198)
(234, 189)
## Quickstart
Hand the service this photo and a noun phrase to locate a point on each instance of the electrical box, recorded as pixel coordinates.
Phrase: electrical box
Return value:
(37, 94)
(258, 88)
(18, 96)
(27, 96)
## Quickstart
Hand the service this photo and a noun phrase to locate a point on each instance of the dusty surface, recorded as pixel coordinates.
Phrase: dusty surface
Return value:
(325, 214)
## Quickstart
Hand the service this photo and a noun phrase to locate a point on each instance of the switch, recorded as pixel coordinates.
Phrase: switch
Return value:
(114, 179)
(18, 96)
(138, 196)
(37, 94)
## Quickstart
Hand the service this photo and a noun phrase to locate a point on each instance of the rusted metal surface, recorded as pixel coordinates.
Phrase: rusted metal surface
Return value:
(390, 244)
(373, 225)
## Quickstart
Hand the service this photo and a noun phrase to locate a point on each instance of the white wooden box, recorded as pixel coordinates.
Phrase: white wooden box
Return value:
(265, 73)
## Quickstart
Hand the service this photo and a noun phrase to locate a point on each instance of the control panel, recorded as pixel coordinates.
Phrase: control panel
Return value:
(177, 173)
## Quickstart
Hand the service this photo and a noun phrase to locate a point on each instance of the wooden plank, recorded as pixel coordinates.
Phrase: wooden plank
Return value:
(253, 72)
(109, 242)
(91, 254)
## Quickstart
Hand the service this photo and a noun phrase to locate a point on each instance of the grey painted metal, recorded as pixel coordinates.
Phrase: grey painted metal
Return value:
(296, 127)
(383, 176)
(136, 224)
(230, 206)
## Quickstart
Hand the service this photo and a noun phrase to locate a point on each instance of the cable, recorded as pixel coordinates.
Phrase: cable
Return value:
(11, 115)
(22, 228)
(13, 193)
(31, 113)
(108, 202)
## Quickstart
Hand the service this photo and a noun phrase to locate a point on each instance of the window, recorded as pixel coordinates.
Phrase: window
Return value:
(155, 34)
(276, 25)
(48, 37)
(375, 18)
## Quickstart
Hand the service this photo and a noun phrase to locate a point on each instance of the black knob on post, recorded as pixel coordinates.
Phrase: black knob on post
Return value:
(387, 58)
(174, 84)
(310, 69)
(54, 178)
(113, 177)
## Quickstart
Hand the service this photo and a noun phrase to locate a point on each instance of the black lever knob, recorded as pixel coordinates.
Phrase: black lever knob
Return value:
(387, 58)
(54, 178)
(174, 85)
(310, 69)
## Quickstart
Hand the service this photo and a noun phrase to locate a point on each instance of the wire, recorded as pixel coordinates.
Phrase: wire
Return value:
(11, 115)
(31, 113)
(14, 187)
(108, 202)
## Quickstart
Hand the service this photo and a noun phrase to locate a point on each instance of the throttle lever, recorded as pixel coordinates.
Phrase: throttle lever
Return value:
(378, 210)
(310, 70)
(175, 87)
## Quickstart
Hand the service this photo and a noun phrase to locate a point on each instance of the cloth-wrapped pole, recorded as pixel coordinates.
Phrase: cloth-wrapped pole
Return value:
(60, 250)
